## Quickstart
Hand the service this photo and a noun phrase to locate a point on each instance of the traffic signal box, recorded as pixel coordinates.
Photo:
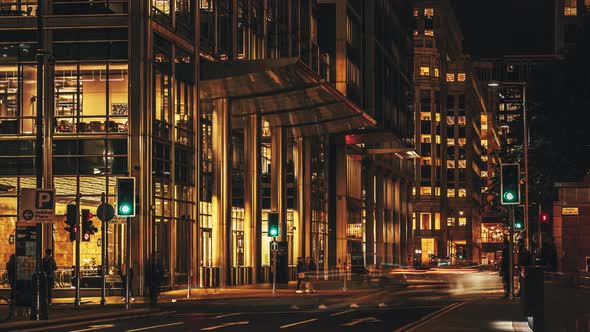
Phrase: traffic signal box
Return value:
(71, 221)
(87, 227)
(273, 224)
(510, 184)
(519, 218)
(126, 197)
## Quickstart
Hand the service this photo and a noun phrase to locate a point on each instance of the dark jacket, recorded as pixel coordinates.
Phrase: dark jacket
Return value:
(505, 262)
(49, 267)
(300, 267)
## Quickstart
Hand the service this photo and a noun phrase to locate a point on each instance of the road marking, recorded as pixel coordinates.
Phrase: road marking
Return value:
(354, 305)
(362, 320)
(154, 327)
(299, 323)
(321, 306)
(246, 322)
(342, 312)
(414, 325)
(382, 305)
(294, 307)
(228, 315)
(95, 327)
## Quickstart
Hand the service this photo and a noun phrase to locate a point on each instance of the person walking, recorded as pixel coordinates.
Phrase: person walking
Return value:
(300, 274)
(524, 259)
(11, 274)
(504, 266)
(123, 275)
(311, 268)
(155, 280)
(49, 267)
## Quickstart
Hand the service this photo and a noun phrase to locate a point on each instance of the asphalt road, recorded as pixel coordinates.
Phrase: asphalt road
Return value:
(385, 309)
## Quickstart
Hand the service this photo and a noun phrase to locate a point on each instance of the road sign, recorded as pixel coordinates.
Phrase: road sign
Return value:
(274, 246)
(105, 212)
(36, 206)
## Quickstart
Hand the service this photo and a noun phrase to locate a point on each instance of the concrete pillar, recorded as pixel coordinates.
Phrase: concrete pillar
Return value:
(337, 210)
(370, 217)
(303, 180)
(252, 197)
(279, 178)
(379, 217)
(222, 189)
(397, 222)
(140, 143)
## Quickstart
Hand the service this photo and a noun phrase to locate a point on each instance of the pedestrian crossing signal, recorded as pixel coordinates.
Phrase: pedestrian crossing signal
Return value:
(273, 224)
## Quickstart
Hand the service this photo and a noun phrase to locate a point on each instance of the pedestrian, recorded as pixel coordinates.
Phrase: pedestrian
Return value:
(49, 267)
(123, 276)
(300, 274)
(311, 268)
(524, 259)
(11, 274)
(504, 266)
(155, 279)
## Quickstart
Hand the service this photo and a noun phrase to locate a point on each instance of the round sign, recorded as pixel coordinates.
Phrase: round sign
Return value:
(105, 212)
(28, 214)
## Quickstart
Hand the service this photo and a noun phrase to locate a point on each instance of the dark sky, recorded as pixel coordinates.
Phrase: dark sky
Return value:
(502, 27)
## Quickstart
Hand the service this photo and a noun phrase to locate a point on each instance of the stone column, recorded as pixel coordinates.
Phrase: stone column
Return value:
(252, 197)
(279, 178)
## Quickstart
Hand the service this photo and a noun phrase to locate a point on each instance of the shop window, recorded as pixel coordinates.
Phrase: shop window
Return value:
(450, 77)
(424, 71)
(462, 221)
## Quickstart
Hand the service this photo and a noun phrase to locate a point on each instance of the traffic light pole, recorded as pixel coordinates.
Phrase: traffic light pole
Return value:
(511, 256)
(274, 269)
(103, 299)
(78, 235)
(128, 263)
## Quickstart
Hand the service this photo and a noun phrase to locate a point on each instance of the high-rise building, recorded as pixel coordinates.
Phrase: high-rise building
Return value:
(450, 106)
(223, 111)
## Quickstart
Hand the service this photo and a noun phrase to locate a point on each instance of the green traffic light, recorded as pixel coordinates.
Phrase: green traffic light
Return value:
(274, 232)
(508, 196)
(124, 209)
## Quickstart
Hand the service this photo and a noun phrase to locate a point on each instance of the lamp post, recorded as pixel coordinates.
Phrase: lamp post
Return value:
(525, 143)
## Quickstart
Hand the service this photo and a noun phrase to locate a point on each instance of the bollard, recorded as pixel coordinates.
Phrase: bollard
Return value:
(532, 297)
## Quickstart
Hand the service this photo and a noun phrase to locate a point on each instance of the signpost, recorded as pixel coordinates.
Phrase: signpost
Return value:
(570, 211)
(274, 247)
(36, 206)
(105, 213)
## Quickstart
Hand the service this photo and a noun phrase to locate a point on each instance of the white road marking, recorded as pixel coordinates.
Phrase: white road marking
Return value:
(354, 305)
(362, 320)
(299, 323)
(228, 315)
(246, 322)
(382, 305)
(414, 325)
(95, 327)
(154, 327)
(321, 306)
(294, 307)
(342, 312)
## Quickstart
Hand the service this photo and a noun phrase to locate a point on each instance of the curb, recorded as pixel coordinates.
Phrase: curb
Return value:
(40, 325)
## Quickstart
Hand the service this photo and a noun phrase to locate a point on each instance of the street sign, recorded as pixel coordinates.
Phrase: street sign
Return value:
(570, 211)
(274, 246)
(105, 212)
(36, 206)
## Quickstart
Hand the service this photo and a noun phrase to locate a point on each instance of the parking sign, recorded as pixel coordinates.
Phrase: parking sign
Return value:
(36, 206)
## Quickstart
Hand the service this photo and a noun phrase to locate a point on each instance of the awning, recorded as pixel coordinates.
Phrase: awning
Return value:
(285, 92)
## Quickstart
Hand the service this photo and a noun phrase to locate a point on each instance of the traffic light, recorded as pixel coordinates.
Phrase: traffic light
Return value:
(518, 218)
(71, 221)
(544, 218)
(87, 227)
(126, 197)
(510, 184)
(273, 224)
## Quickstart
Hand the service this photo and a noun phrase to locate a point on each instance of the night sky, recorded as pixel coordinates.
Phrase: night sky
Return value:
(506, 27)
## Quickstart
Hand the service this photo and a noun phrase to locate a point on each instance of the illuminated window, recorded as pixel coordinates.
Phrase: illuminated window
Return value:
(425, 116)
(415, 12)
(415, 32)
(425, 71)
(450, 77)
(425, 139)
(462, 192)
(437, 193)
(425, 191)
(450, 120)
(429, 12)
(450, 221)
(462, 221)
(450, 192)
(437, 139)
(437, 115)
(462, 163)
(437, 220)
(450, 164)
(413, 191)
(450, 141)
(425, 221)
(462, 141)
(570, 8)
(484, 143)
(436, 72)
(429, 32)
(461, 77)
(426, 161)
(484, 174)
(414, 220)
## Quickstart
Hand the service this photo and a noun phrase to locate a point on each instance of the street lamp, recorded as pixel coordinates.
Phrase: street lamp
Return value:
(495, 84)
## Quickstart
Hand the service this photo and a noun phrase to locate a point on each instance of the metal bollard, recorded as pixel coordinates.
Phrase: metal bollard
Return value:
(532, 297)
